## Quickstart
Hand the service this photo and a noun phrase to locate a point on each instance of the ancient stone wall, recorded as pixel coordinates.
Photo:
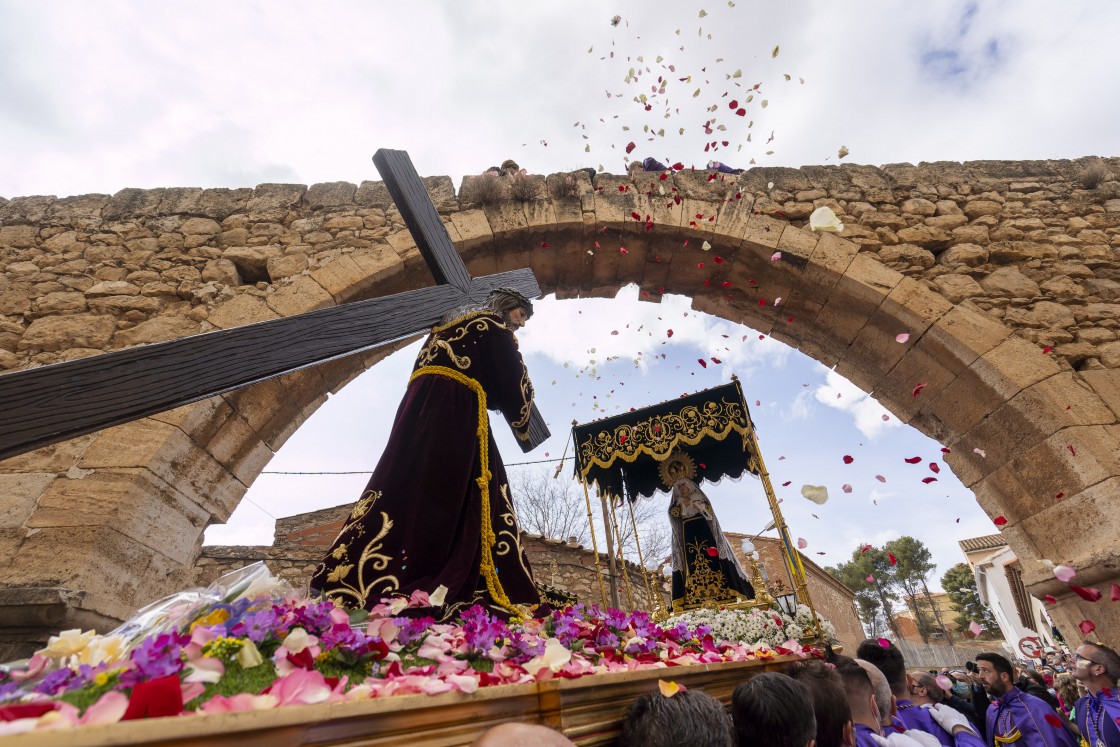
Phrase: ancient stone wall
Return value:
(1005, 275)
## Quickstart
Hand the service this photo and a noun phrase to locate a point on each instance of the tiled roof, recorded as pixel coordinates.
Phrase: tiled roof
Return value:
(987, 542)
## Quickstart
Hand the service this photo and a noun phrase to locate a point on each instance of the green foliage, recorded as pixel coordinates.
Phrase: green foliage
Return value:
(873, 598)
(959, 583)
(914, 566)
(88, 695)
(237, 680)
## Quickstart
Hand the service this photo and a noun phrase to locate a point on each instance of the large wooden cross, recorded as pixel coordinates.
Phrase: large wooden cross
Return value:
(41, 406)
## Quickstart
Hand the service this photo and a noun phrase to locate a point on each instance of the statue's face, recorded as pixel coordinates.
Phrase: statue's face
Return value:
(518, 317)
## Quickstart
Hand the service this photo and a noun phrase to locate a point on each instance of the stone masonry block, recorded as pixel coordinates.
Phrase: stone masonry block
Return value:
(239, 449)
(343, 278)
(856, 297)
(304, 294)
(54, 458)
(1105, 382)
(199, 420)
(241, 310)
(135, 502)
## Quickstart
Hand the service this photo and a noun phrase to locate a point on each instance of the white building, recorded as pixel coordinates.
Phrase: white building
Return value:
(999, 580)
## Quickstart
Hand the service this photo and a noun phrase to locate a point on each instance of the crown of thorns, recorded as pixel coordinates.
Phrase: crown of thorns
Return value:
(520, 298)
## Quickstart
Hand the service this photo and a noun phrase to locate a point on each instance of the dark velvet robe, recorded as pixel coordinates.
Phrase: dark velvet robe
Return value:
(437, 510)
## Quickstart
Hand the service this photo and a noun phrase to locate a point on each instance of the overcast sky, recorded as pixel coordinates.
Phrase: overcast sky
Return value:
(99, 96)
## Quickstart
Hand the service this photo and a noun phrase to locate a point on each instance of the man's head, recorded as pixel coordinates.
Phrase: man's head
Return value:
(830, 704)
(860, 692)
(773, 710)
(995, 673)
(924, 689)
(883, 698)
(509, 166)
(514, 306)
(890, 662)
(1096, 664)
(689, 717)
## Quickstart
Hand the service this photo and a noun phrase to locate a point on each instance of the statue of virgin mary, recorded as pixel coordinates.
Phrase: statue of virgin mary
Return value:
(706, 572)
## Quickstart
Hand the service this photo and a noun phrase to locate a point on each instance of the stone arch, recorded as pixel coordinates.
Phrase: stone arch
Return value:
(99, 525)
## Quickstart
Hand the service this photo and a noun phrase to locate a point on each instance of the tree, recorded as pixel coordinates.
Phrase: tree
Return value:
(870, 575)
(959, 583)
(555, 507)
(913, 566)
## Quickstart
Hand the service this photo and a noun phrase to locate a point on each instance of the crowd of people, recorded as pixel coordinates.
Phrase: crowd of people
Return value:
(874, 701)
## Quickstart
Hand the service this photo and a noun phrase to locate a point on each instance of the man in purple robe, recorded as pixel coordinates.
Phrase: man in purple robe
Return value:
(1097, 667)
(915, 707)
(437, 510)
(1015, 716)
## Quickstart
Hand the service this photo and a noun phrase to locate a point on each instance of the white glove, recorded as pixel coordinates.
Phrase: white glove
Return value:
(912, 738)
(949, 718)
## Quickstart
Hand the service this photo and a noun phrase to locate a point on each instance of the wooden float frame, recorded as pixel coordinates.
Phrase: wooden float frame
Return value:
(588, 710)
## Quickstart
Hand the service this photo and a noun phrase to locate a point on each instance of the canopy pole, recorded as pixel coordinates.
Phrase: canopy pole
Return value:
(793, 560)
(610, 550)
(594, 543)
(641, 560)
(621, 557)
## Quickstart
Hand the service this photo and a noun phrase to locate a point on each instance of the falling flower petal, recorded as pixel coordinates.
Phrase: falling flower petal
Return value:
(669, 689)
(1089, 594)
(775, 256)
(816, 493)
(928, 480)
(1050, 599)
(786, 484)
(823, 219)
(999, 521)
(437, 597)
(801, 543)
(935, 468)
(775, 52)
(703, 363)
(843, 151)
(981, 452)
(913, 460)
(865, 548)
(880, 478)
(903, 337)
(893, 559)
(944, 682)
(1087, 626)
(846, 488)
(669, 333)
(848, 459)
(705, 246)
(1064, 573)
(975, 628)
(884, 642)
(1115, 592)
(918, 389)
(630, 147)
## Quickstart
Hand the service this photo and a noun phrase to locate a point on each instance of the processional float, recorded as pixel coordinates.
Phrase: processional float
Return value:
(704, 436)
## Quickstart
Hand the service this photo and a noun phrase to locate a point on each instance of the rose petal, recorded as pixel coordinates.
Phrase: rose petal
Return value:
(928, 480)
(880, 478)
(668, 689)
(1089, 593)
(703, 363)
(981, 452)
(935, 468)
(902, 337)
(801, 543)
(944, 682)
(1087, 626)
(893, 559)
(870, 579)
(975, 628)
(775, 256)
(1064, 573)
(823, 219)
(816, 493)
(1115, 592)
(846, 488)
(913, 460)
(884, 642)
(1050, 599)
(848, 459)
(918, 389)
(999, 521)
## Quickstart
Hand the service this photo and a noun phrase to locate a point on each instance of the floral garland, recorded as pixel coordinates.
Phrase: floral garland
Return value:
(754, 625)
(250, 643)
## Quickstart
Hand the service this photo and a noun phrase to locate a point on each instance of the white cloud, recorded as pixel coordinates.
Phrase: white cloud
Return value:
(841, 394)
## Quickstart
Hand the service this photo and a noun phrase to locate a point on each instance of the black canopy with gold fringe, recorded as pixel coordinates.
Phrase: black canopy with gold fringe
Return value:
(713, 425)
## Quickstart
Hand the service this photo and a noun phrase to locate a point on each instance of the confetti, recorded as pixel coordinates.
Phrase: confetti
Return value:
(902, 337)
(1087, 627)
(1089, 594)
(1064, 573)
(816, 493)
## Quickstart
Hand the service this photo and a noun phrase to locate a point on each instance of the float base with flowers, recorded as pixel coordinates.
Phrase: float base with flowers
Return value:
(248, 661)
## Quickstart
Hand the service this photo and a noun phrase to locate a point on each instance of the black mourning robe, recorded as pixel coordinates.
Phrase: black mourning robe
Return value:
(437, 510)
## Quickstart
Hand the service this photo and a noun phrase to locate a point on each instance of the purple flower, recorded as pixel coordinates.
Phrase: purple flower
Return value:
(526, 645)
(155, 657)
(341, 635)
(9, 691)
(604, 637)
(615, 619)
(56, 682)
(411, 629)
(565, 628)
(256, 626)
(480, 631)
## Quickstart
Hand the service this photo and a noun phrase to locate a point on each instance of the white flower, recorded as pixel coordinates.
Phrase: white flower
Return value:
(823, 219)
(555, 656)
(68, 643)
(297, 640)
(437, 597)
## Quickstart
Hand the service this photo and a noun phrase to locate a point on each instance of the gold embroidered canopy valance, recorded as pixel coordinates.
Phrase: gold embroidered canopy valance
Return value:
(622, 453)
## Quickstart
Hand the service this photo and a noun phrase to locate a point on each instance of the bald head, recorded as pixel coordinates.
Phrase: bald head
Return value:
(882, 691)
